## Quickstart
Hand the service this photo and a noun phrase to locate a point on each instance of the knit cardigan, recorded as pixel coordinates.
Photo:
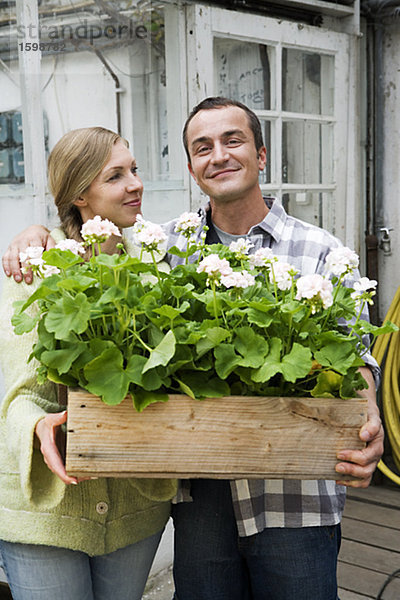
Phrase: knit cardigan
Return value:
(96, 516)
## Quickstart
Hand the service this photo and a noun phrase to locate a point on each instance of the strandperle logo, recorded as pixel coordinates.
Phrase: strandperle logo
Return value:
(84, 31)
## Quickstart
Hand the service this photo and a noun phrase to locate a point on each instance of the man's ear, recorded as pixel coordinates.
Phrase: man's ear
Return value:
(191, 172)
(262, 158)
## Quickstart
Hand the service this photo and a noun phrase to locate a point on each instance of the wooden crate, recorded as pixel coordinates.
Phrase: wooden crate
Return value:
(225, 438)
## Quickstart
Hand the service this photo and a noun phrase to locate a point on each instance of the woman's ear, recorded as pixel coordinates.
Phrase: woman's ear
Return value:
(79, 202)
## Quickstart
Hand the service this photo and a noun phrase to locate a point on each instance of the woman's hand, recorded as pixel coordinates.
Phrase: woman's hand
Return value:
(34, 235)
(47, 430)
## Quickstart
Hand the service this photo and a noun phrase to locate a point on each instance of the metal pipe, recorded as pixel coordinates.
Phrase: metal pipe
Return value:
(118, 88)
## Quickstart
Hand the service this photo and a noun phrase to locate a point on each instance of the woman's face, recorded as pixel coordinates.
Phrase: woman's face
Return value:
(116, 192)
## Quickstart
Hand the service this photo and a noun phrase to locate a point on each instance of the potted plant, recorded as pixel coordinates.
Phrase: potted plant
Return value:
(225, 324)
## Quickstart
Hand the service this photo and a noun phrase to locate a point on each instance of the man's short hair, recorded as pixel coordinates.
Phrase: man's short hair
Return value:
(221, 102)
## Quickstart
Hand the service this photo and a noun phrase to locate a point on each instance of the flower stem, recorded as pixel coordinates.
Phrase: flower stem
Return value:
(155, 266)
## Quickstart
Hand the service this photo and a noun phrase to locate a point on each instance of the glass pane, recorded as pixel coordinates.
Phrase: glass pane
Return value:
(265, 175)
(313, 207)
(307, 153)
(307, 82)
(243, 72)
(100, 66)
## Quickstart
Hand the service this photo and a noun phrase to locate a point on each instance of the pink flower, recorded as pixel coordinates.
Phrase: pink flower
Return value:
(98, 230)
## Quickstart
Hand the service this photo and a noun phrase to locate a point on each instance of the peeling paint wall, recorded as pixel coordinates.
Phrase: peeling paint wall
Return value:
(389, 266)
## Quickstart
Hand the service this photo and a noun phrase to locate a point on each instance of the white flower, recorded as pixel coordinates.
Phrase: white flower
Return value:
(32, 256)
(241, 247)
(72, 245)
(282, 274)
(98, 230)
(341, 261)
(315, 288)
(187, 223)
(238, 280)
(364, 289)
(147, 233)
(214, 266)
(364, 284)
(48, 270)
(262, 258)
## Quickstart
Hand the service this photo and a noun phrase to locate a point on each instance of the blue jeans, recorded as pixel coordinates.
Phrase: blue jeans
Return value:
(213, 563)
(50, 573)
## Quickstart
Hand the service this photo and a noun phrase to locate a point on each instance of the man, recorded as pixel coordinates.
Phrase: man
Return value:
(273, 539)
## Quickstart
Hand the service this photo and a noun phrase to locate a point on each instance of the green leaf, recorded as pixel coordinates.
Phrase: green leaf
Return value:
(387, 327)
(64, 379)
(213, 337)
(259, 317)
(106, 376)
(226, 360)
(141, 398)
(202, 387)
(171, 312)
(272, 364)
(352, 382)
(62, 359)
(149, 380)
(252, 347)
(78, 282)
(162, 353)
(297, 363)
(338, 355)
(183, 253)
(113, 295)
(328, 382)
(107, 260)
(46, 339)
(68, 314)
(23, 323)
(185, 389)
(61, 258)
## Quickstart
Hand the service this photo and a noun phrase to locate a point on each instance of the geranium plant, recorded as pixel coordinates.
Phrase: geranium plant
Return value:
(225, 322)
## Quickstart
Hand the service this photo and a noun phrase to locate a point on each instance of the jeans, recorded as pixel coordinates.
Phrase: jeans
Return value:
(213, 563)
(50, 573)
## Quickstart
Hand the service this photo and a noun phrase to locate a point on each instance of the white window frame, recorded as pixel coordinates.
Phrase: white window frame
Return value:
(204, 23)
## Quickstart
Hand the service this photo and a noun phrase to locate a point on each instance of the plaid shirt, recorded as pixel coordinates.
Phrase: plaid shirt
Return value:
(274, 502)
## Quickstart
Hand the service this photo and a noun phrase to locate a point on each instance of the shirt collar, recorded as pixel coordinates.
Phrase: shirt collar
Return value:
(273, 223)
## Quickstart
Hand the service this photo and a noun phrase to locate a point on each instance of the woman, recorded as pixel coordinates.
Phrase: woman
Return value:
(96, 539)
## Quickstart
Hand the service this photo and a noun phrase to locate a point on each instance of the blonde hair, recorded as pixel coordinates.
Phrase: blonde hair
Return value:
(75, 161)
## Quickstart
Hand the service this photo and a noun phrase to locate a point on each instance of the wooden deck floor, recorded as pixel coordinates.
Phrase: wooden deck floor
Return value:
(370, 549)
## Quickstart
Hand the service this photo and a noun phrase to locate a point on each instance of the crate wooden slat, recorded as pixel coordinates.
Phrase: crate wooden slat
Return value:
(226, 438)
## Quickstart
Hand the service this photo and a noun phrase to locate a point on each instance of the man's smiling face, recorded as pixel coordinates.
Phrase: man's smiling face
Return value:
(224, 159)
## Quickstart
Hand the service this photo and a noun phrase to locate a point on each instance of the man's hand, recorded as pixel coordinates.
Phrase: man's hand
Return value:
(362, 463)
(46, 430)
(34, 235)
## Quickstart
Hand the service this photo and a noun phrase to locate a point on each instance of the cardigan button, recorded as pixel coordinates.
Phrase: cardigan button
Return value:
(102, 508)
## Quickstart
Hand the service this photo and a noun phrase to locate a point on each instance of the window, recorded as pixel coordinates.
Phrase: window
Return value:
(297, 79)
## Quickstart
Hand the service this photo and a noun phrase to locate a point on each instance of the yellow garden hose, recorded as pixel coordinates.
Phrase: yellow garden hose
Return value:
(387, 350)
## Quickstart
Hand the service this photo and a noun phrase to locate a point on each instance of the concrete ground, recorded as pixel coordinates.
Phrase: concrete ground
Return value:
(160, 586)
